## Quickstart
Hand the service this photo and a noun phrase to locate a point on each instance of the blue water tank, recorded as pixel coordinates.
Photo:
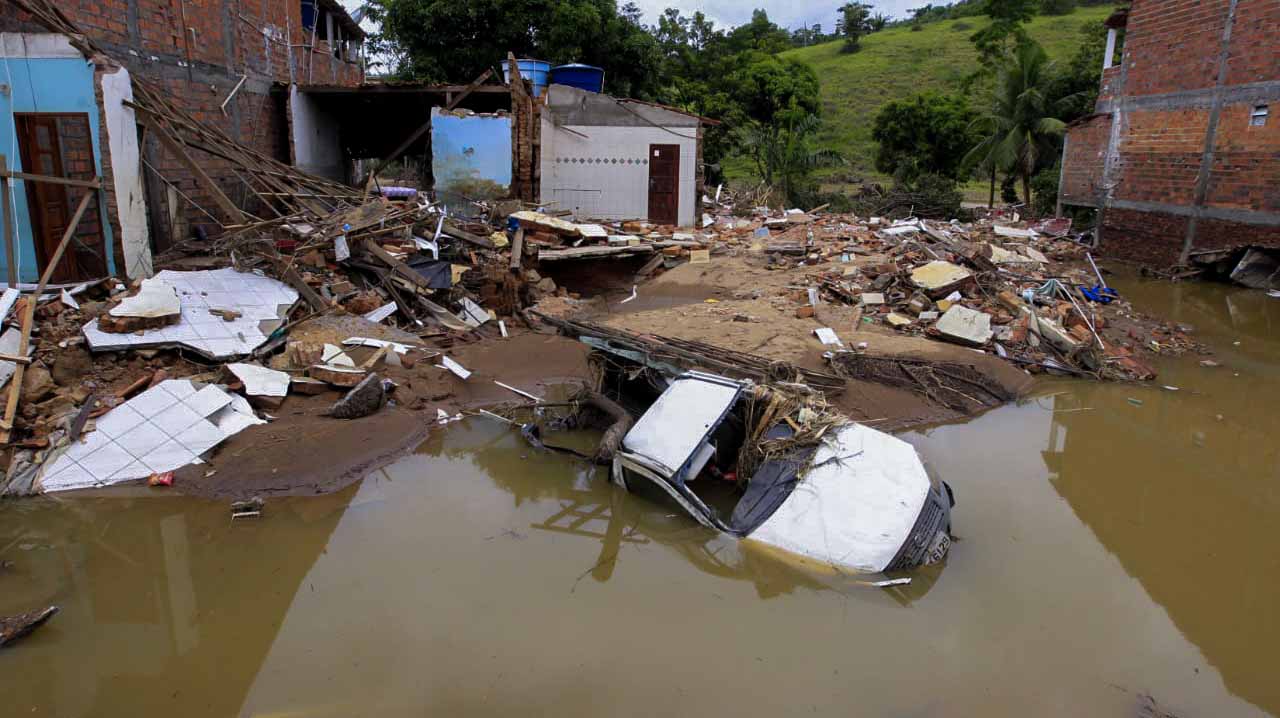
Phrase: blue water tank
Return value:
(535, 71)
(583, 77)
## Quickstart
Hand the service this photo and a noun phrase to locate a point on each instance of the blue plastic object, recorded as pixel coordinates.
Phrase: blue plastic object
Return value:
(535, 71)
(583, 77)
(1099, 294)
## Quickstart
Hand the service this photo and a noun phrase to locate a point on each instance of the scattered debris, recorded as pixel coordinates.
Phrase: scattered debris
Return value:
(14, 627)
(366, 398)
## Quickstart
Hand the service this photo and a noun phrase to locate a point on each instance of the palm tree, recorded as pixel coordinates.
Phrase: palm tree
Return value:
(783, 151)
(1018, 127)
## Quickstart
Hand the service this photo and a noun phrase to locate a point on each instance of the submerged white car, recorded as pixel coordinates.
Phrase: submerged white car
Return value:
(861, 501)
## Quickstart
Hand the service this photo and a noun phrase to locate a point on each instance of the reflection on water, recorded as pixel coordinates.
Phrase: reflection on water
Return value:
(1105, 549)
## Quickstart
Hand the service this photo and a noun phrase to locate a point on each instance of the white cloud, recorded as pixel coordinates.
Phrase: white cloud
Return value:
(787, 13)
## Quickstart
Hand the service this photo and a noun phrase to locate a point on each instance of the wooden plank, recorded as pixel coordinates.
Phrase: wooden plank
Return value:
(10, 252)
(175, 148)
(426, 126)
(293, 279)
(517, 249)
(469, 89)
(453, 230)
(28, 318)
(94, 183)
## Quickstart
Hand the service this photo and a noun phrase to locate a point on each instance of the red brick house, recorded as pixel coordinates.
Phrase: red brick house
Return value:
(238, 65)
(1182, 153)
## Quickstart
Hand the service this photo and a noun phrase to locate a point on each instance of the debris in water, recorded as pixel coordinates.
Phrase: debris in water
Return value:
(1135, 402)
(14, 627)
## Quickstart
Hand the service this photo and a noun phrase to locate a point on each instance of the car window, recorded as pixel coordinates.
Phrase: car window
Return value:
(647, 489)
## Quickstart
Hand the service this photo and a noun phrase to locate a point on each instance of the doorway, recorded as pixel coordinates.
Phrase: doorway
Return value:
(664, 184)
(61, 145)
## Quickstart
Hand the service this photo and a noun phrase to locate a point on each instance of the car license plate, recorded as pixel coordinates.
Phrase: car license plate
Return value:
(938, 551)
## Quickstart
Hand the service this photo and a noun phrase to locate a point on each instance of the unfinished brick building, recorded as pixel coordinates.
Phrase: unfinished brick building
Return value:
(238, 65)
(1182, 154)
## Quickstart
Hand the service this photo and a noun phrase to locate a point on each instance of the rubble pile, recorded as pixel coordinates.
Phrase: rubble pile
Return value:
(1028, 294)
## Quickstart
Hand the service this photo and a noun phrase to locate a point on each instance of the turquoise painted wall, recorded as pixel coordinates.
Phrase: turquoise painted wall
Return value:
(45, 85)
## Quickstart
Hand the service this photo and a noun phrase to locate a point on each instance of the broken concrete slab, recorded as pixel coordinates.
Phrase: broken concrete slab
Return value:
(1054, 333)
(872, 299)
(940, 278)
(336, 375)
(307, 385)
(897, 320)
(261, 381)
(965, 326)
(162, 429)
(260, 300)
(366, 398)
(1004, 231)
(546, 223)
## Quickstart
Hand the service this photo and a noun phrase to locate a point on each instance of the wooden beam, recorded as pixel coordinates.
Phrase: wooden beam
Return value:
(517, 249)
(426, 126)
(28, 318)
(453, 230)
(175, 148)
(10, 250)
(468, 89)
(94, 183)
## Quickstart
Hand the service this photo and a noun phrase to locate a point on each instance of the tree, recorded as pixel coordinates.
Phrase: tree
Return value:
(928, 133)
(994, 41)
(769, 89)
(456, 40)
(1018, 129)
(854, 23)
(1075, 86)
(760, 34)
(784, 152)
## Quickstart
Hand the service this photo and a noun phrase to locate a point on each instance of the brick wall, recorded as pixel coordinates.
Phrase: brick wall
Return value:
(1173, 51)
(1160, 155)
(198, 69)
(1083, 163)
(1173, 45)
(1246, 161)
(75, 142)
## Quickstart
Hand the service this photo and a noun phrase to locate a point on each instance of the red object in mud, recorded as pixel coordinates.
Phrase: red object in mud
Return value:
(730, 476)
(165, 479)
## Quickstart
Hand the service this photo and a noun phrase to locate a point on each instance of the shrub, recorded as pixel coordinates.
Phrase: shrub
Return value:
(1057, 7)
(961, 26)
(1044, 190)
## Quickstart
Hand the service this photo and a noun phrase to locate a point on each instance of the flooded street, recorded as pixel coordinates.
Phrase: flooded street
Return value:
(1113, 541)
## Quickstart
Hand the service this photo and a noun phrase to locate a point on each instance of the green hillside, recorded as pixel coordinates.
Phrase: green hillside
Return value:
(897, 62)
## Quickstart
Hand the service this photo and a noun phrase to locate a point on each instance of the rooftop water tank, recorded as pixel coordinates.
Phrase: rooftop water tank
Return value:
(583, 77)
(535, 71)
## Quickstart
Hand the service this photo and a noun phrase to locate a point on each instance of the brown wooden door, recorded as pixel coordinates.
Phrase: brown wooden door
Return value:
(664, 184)
(47, 203)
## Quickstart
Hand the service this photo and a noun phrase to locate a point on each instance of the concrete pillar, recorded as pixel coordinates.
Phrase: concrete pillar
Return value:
(1108, 57)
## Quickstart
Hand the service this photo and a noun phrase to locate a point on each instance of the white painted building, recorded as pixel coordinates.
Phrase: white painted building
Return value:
(613, 159)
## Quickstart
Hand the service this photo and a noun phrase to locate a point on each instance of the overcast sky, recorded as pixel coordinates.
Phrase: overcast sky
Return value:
(728, 13)
(787, 13)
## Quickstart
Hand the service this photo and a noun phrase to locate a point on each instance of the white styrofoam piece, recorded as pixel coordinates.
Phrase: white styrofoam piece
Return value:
(827, 336)
(381, 312)
(256, 297)
(6, 302)
(333, 355)
(453, 366)
(377, 344)
(261, 381)
(155, 298)
(9, 343)
(164, 428)
(1004, 231)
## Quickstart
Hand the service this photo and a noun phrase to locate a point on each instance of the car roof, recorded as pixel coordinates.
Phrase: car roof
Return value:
(679, 421)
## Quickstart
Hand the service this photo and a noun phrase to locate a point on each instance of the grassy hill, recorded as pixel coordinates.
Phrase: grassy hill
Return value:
(897, 63)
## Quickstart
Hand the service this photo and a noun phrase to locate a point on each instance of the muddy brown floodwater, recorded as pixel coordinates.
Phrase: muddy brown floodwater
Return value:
(1114, 541)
